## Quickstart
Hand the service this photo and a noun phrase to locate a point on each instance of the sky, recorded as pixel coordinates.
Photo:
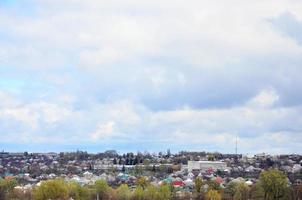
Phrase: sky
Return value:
(136, 75)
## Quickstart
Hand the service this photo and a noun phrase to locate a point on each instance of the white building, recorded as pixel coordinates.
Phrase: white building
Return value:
(205, 165)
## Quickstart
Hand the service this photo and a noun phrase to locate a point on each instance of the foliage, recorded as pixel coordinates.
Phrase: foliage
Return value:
(6, 187)
(289, 194)
(142, 182)
(138, 170)
(138, 194)
(242, 192)
(102, 189)
(176, 168)
(257, 192)
(298, 192)
(151, 193)
(77, 192)
(213, 195)
(198, 184)
(274, 184)
(213, 185)
(164, 192)
(53, 189)
(19, 194)
(123, 192)
(199, 191)
(211, 158)
(230, 190)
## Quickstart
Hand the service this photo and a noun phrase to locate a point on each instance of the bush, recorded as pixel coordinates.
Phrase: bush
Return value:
(53, 189)
(123, 192)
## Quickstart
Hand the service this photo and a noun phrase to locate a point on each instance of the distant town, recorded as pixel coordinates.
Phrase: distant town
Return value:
(187, 175)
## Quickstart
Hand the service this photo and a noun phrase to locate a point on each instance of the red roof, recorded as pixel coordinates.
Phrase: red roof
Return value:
(178, 184)
(210, 171)
(219, 180)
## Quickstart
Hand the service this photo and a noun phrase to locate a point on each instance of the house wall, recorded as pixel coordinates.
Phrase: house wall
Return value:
(205, 165)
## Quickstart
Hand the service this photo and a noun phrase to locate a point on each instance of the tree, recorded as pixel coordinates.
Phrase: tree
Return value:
(142, 182)
(6, 187)
(257, 192)
(213, 195)
(242, 192)
(77, 192)
(274, 184)
(53, 189)
(151, 193)
(21, 194)
(198, 186)
(138, 193)
(138, 170)
(298, 192)
(230, 190)
(168, 153)
(146, 162)
(211, 157)
(153, 169)
(123, 192)
(102, 189)
(213, 185)
(165, 192)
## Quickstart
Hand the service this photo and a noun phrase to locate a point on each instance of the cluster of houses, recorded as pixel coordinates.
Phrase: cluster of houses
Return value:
(179, 170)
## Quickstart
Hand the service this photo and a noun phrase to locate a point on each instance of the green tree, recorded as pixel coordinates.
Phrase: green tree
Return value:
(198, 184)
(142, 182)
(77, 192)
(138, 193)
(52, 189)
(230, 190)
(102, 189)
(213, 195)
(123, 192)
(242, 192)
(211, 157)
(213, 185)
(151, 193)
(257, 192)
(6, 187)
(165, 192)
(146, 162)
(138, 170)
(199, 192)
(274, 184)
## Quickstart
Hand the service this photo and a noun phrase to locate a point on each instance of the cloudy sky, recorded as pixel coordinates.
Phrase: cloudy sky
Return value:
(151, 75)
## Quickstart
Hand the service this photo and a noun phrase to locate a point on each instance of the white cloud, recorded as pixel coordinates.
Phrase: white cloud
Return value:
(52, 113)
(6, 100)
(266, 98)
(100, 57)
(104, 131)
(22, 115)
(124, 112)
(124, 61)
(31, 114)
(124, 122)
(99, 33)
